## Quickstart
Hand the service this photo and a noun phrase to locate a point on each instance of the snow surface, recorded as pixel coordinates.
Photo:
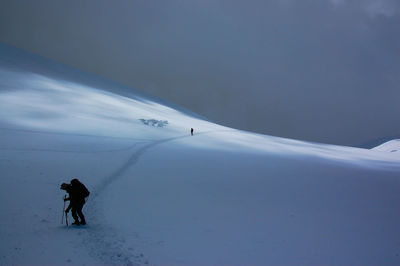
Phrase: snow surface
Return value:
(392, 146)
(160, 196)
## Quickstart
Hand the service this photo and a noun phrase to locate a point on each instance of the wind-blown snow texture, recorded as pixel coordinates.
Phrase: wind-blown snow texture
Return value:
(163, 197)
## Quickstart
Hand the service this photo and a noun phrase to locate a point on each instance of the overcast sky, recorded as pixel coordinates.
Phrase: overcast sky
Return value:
(326, 70)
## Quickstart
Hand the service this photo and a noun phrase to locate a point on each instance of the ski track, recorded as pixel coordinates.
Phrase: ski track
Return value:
(103, 241)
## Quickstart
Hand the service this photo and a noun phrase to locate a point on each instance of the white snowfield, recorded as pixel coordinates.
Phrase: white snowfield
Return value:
(160, 196)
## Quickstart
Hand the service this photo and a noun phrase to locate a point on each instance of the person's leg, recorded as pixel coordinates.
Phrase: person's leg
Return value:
(74, 215)
(79, 211)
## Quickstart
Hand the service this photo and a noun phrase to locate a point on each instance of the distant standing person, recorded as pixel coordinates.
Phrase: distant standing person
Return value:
(191, 131)
(77, 198)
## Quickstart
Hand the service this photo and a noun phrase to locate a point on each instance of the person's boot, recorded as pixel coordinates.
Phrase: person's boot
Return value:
(83, 222)
(76, 222)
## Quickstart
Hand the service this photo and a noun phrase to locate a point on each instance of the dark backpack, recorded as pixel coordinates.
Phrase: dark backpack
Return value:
(81, 190)
(85, 192)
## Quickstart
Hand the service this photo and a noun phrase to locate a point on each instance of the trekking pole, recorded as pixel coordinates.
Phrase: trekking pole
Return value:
(62, 219)
(66, 219)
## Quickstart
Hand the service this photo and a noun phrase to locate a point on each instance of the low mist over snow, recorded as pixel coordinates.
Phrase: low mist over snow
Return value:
(160, 196)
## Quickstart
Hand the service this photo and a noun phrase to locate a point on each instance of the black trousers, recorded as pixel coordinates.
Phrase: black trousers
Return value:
(77, 210)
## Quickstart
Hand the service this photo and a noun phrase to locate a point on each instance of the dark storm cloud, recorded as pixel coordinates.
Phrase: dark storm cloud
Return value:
(325, 71)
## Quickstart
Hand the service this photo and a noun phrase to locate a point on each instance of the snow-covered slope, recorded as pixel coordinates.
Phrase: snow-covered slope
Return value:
(392, 146)
(163, 197)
